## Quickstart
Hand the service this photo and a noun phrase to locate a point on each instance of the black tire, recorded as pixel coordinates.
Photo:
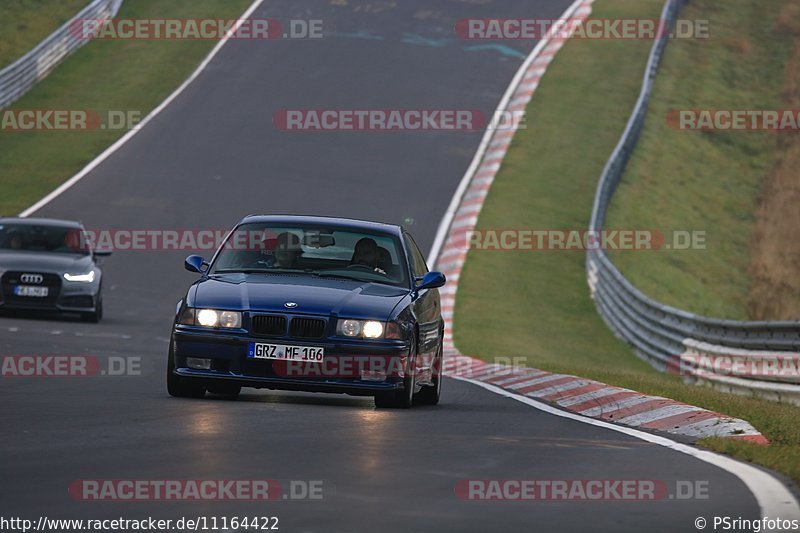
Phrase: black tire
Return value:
(229, 390)
(95, 316)
(177, 386)
(404, 398)
(430, 395)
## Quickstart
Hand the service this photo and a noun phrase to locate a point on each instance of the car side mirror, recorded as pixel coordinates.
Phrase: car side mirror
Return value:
(101, 253)
(432, 280)
(195, 263)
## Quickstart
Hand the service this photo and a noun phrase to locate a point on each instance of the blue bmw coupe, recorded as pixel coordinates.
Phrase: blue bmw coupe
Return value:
(311, 304)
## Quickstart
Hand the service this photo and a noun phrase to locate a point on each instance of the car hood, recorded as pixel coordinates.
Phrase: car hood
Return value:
(50, 263)
(320, 296)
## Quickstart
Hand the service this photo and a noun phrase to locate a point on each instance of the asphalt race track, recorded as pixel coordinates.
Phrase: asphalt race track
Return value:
(213, 156)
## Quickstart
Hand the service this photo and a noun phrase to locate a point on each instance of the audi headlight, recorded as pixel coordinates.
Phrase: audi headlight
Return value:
(211, 318)
(85, 278)
(366, 329)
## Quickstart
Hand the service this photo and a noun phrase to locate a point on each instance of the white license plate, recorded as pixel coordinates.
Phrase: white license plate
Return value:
(260, 350)
(30, 290)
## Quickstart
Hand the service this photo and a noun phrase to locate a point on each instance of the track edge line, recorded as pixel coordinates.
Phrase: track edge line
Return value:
(108, 152)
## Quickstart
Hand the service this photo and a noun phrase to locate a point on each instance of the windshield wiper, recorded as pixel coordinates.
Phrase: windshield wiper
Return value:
(338, 276)
(245, 271)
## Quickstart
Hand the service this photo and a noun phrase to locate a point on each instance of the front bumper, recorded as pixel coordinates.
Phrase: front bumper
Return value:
(351, 367)
(66, 303)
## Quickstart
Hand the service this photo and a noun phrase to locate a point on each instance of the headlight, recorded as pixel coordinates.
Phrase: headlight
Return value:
(373, 329)
(367, 329)
(208, 318)
(230, 319)
(350, 328)
(85, 278)
(211, 318)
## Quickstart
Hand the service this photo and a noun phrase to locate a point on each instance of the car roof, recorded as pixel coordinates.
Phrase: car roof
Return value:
(41, 222)
(350, 223)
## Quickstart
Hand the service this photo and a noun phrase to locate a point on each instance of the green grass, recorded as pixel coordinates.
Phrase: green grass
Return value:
(707, 181)
(103, 75)
(24, 23)
(536, 304)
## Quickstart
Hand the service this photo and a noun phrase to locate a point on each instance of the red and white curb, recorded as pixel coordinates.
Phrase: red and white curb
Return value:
(583, 396)
(604, 402)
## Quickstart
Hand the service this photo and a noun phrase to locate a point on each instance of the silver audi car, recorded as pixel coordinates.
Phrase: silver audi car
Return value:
(48, 265)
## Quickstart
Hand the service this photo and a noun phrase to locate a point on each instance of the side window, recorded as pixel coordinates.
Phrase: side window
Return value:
(417, 259)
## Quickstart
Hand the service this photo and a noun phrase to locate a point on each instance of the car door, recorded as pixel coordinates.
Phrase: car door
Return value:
(426, 307)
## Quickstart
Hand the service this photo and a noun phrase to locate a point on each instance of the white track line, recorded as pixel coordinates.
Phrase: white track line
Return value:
(447, 219)
(128, 136)
(773, 498)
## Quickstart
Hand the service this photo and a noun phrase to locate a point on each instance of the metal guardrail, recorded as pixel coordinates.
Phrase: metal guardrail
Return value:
(671, 339)
(17, 78)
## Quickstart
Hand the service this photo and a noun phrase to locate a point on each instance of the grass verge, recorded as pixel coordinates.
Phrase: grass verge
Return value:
(711, 181)
(536, 305)
(103, 75)
(24, 23)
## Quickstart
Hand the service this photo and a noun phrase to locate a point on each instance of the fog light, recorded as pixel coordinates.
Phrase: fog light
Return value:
(373, 375)
(198, 364)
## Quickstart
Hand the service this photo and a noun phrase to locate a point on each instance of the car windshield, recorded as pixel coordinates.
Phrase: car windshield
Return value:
(43, 238)
(327, 251)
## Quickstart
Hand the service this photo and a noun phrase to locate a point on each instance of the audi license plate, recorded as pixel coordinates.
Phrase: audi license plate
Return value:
(31, 290)
(260, 350)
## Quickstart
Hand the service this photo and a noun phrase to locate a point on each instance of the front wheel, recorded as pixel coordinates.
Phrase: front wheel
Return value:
(430, 395)
(178, 387)
(402, 399)
(95, 316)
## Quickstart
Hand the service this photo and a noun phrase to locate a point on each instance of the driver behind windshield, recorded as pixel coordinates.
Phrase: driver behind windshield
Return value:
(287, 251)
(366, 254)
(15, 241)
